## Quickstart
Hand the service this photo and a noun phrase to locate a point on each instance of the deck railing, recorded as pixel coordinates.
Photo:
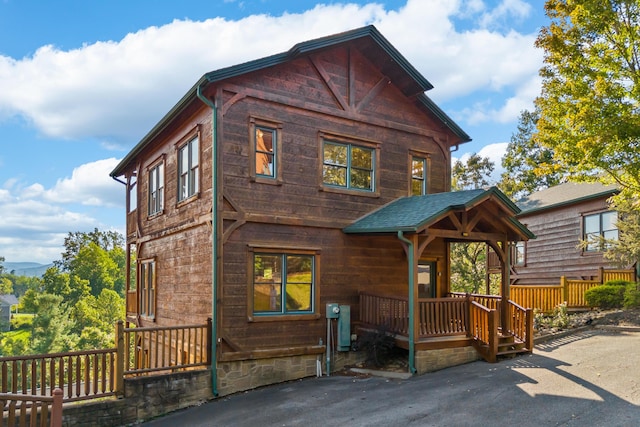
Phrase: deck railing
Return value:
(80, 375)
(484, 330)
(521, 323)
(91, 374)
(387, 312)
(28, 410)
(442, 316)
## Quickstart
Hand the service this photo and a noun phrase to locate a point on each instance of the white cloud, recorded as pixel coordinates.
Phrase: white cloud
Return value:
(89, 184)
(117, 90)
(35, 220)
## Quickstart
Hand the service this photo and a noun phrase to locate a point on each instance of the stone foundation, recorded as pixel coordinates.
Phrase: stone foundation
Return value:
(434, 360)
(242, 375)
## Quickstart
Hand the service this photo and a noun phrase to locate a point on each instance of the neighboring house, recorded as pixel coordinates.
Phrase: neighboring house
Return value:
(279, 192)
(562, 217)
(7, 302)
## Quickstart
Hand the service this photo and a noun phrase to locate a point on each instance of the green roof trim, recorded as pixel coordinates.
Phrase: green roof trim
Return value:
(300, 49)
(412, 213)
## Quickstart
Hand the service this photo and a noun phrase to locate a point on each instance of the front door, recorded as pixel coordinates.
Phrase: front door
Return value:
(426, 279)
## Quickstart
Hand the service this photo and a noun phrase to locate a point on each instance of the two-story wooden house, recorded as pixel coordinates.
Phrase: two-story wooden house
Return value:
(279, 192)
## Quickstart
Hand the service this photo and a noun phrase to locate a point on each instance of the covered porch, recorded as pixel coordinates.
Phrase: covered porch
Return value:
(493, 325)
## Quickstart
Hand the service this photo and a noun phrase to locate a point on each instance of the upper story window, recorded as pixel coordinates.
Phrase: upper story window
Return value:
(348, 166)
(284, 283)
(156, 189)
(599, 227)
(418, 176)
(188, 169)
(266, 144)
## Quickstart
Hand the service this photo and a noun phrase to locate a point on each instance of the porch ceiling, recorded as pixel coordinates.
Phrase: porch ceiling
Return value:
(458, 214)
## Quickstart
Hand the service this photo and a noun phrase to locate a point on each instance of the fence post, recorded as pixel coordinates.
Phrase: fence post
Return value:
(565, 290)
(601, 274)
(120, 349)
(56, 409)
(529, 329)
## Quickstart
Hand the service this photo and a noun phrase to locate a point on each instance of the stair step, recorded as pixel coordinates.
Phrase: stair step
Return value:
(513, 352)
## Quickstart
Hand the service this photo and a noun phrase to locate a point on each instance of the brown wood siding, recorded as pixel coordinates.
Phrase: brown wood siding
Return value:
(337, 92)
(346, 267)
(555, 250)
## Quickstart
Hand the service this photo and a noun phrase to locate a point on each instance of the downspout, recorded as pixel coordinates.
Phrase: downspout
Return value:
(214, 241)
(412, 285)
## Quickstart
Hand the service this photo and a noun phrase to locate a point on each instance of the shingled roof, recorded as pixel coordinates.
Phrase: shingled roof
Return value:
(414, 213)
(568, 193)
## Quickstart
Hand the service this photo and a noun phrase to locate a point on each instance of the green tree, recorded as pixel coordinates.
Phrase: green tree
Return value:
(6, 286)
(589, 105)
(50, 326)
(1, 264)
(468, 260)
(74, 242)
(474, 173)
(528, 167)
(94, 264)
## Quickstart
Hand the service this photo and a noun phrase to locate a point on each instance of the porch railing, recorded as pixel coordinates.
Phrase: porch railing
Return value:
(28, 410)
(471, 315)
(80, 375)
(484, 330)
(91, 374)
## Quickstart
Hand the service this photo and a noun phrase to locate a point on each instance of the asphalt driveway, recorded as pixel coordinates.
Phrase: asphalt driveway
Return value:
(588, 378)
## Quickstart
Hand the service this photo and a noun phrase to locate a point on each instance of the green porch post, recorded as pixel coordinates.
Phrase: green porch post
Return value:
(410, 250)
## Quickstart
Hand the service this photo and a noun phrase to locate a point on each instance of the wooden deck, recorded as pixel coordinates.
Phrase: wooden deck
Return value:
(455, 321)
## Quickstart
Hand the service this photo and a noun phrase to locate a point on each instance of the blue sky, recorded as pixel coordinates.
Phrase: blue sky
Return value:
(81, 82)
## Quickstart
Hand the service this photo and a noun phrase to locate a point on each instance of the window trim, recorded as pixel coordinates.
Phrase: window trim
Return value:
(583, 234)
(426, 157)
(142, 290)
(254, 124)
(252, 249)
(153, 166)
(350, 141)
(188, 139)
(514, 255)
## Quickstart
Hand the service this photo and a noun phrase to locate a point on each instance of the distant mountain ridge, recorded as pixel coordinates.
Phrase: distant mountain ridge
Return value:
(32, 269)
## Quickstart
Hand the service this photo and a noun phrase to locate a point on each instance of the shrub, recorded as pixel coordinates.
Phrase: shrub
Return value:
(632, 296)
(605, 296)
(619, 282)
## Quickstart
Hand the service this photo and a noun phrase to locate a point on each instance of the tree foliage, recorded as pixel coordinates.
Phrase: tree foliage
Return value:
(77, 301)
(528, 167)
(468, 260)
(474, 173)
(589, 105)
(590, 101)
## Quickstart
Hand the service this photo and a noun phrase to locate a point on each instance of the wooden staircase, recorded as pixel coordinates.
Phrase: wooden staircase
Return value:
(507, 346)
(510, 346)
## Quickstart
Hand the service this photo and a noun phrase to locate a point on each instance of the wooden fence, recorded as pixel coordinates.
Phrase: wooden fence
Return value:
(29, 410)
(91, 374)
(546, 298)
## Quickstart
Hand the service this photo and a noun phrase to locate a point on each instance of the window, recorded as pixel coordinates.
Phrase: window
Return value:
(265, 138)
(283, 283)
(418, 176)
(599, 227)
(156, 189)
(519, 253)
(265, 151)
(348, 166)
(188, 162)
(147, 288)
